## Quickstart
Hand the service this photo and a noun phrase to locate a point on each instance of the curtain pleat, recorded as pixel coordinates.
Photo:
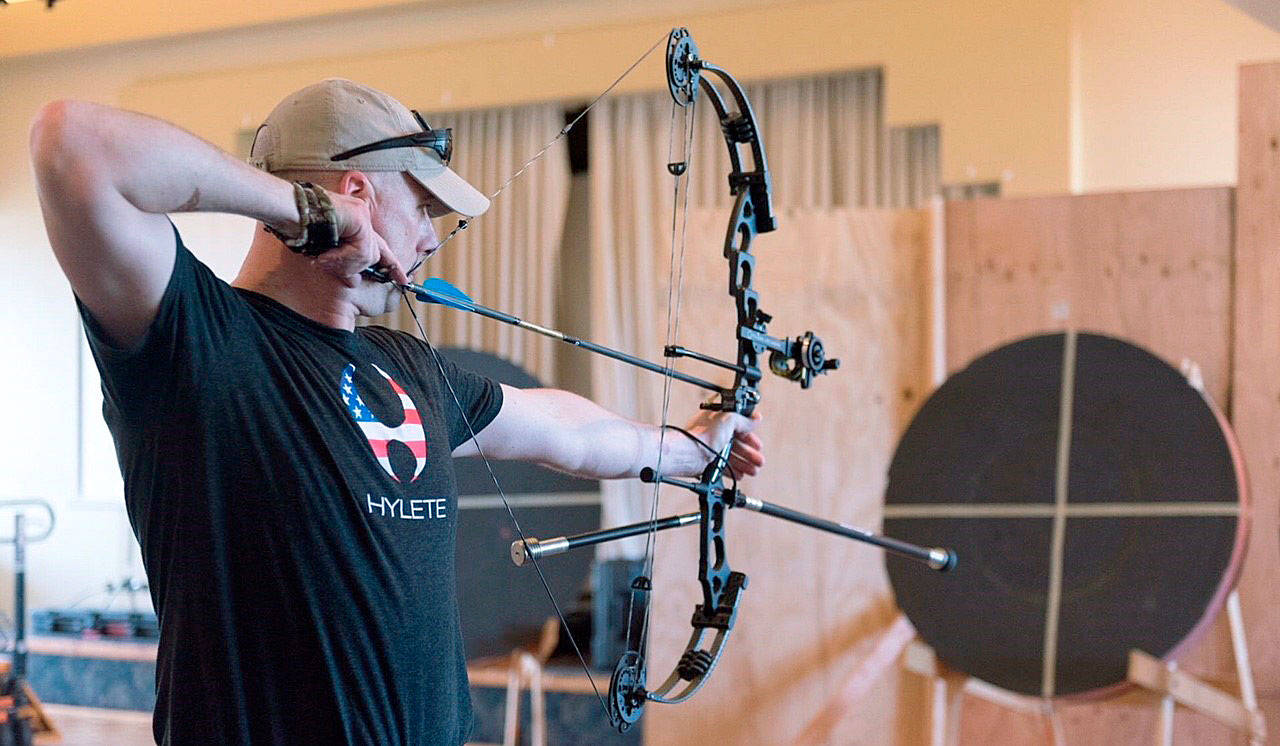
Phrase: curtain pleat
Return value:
(508, 258)
(913, 164)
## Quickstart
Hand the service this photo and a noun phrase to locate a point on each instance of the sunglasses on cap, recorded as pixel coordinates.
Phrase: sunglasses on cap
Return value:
(440, 141)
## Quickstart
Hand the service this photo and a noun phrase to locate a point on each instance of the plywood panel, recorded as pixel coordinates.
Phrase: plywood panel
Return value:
(1152, 267)
(816, 605)
(1255, 410)
(1155, 268)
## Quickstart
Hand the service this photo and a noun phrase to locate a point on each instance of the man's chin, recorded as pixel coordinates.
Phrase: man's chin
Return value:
(380, 299)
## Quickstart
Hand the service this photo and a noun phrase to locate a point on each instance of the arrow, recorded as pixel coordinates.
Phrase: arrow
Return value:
(441, 292)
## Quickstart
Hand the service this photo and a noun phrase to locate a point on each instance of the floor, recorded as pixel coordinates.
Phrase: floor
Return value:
(90, 726)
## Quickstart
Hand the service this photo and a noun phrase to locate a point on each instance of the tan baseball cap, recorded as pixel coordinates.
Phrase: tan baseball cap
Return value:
(333, 116)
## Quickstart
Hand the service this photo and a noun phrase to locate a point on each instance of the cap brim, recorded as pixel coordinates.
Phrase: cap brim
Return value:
(453, 190)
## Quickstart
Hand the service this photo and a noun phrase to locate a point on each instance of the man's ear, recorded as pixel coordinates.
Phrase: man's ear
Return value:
(357, 184)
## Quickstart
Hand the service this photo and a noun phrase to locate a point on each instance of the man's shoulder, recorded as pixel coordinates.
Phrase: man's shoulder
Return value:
(405, 347)
(385, 335)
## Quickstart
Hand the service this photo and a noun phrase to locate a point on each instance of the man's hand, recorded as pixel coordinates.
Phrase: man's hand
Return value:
(360, 245)
(717, 429)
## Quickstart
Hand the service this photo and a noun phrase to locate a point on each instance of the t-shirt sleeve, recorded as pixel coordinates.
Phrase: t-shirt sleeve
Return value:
(187, 333)
(480, 398)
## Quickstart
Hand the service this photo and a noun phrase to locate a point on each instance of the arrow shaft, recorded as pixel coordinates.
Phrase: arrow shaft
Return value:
(430, 296)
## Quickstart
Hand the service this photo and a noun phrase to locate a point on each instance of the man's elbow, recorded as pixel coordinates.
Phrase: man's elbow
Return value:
(59, 134)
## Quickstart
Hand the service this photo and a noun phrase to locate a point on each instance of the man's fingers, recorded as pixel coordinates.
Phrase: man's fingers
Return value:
(389, 263)
(343, 262)
(744, 466)
(750, 455)
(746, 424)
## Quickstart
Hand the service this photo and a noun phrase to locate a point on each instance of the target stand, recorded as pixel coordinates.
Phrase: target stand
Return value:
(1172, 687)
(1097, 500)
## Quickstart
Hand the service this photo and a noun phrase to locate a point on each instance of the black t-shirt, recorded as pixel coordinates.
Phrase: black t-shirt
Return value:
(292, 489)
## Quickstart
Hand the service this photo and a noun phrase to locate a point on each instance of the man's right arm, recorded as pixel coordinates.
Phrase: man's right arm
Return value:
(106, 178)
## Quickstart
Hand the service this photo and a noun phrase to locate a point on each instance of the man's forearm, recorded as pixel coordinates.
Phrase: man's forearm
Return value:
(566, 432)
(622, 448)
(155, 166)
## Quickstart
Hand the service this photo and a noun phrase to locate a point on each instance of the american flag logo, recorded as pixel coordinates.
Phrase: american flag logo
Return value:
(379, 435)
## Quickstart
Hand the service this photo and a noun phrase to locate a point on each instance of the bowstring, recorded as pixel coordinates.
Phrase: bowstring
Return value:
(675, 297)
(646, 569)
(463, 225)
(564, 131)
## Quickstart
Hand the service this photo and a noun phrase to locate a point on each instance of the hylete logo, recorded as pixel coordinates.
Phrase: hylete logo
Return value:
(409, 432)
(409, 510)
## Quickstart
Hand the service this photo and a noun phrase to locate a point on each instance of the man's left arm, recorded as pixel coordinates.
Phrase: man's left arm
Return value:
(565, 432)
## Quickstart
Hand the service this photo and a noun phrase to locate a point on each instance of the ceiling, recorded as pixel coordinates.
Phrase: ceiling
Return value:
(1267, 11)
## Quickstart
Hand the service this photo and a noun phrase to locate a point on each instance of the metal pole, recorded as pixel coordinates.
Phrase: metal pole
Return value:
(20, 599)
(938, 558)
(539, 548)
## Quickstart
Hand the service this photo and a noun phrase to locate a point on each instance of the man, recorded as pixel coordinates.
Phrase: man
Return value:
(298, 542)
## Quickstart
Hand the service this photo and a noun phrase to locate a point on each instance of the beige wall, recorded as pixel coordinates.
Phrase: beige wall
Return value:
(945, 62)
(1154, 104)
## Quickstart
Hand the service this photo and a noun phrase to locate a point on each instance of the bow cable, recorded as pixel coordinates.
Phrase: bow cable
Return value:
(675, 297)
(463, 224)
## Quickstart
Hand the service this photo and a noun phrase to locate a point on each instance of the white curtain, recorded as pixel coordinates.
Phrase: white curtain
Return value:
(824, 138)
(508, 258)
(631, 201)
(913, 164)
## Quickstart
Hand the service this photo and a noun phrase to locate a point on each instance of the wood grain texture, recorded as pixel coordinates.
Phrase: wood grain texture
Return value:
(1151, 267)
(1255, 406)
(817, 604)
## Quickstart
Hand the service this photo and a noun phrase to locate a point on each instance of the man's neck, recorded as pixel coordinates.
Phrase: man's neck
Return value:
(289, 279)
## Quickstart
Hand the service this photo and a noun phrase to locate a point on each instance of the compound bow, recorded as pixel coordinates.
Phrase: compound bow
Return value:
(799, 359)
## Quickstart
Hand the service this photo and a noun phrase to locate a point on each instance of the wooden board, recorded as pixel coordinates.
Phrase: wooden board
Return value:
(1255, 405)
(1152, 267)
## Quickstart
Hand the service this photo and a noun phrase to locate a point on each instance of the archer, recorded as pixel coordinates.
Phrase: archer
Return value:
(304, 583)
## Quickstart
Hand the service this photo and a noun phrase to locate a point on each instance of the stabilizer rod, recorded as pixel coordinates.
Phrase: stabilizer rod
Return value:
(937, 558)
(523, 551)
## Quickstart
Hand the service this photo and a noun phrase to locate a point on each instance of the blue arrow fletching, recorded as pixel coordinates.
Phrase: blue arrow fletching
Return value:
(436, 290)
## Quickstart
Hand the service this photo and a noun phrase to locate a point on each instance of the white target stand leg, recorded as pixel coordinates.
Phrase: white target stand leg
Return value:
(948, 689)
(1176, 687)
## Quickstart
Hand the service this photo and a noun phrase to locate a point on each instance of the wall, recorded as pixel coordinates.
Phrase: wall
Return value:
(1159, 109)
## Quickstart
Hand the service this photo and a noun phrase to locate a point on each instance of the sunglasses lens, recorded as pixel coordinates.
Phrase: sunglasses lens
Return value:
(441, 141)
(445, 145)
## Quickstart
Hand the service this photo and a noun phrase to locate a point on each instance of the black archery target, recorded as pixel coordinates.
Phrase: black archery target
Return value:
(1065, 565)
